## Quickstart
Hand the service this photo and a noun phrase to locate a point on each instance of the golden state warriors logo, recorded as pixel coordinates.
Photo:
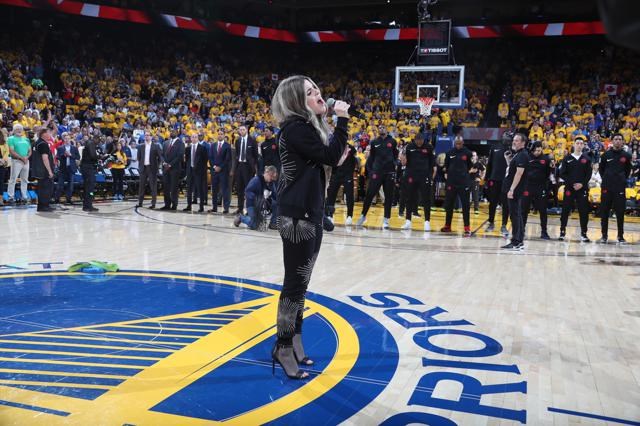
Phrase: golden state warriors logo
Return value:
(146, 348)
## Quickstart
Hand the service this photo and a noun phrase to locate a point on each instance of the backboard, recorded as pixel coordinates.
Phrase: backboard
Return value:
(444, 83)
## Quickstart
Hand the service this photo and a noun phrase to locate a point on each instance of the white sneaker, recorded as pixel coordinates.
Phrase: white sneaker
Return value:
(407, 225)
(385, 223)
(349, 221)
(361, 221)
(427, 226)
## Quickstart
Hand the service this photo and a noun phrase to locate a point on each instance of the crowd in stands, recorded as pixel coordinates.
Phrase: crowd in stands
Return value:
(125, 90)
(578, 93)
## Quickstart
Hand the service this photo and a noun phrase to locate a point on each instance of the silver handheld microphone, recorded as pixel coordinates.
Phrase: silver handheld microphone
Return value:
(352, 111)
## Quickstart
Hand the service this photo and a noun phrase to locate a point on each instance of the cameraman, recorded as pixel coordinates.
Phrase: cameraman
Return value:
(260, 188)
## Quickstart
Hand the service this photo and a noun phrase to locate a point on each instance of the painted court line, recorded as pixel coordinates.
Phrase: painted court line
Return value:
(594, 416)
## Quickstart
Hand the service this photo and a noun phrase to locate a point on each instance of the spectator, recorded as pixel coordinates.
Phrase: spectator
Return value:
(20, 149)
(596, 179)
(117, 171)
(67, 156)
(5, 161)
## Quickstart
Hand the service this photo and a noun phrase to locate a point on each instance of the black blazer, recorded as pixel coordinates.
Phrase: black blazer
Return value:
(154, 159)
(174, 155)
(252, 153)
(201, 160)
(223, 160)
(301, 187)
(62, 159)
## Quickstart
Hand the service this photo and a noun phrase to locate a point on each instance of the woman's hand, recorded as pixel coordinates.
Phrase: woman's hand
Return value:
(341, 109)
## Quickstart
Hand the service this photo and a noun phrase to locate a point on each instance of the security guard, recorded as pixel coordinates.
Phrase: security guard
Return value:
(343, 176)
(419, 174)
(615, 168)
(88, 166)
(575, 171)
(496, 172)
(458, 183)
(381, 168)
(536, 191)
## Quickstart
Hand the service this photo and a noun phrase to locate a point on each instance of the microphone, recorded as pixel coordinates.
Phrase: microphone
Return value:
(352, 111)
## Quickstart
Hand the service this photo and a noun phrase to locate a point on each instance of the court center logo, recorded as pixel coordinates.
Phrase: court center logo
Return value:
(157, 348)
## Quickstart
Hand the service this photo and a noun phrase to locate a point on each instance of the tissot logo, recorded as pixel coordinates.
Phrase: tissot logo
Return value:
(434, 50)
(137, 347)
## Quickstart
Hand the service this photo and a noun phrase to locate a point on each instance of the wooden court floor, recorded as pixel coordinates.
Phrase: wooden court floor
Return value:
(406, 326)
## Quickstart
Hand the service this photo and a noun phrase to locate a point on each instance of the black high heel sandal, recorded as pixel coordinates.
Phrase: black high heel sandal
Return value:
(298, 351)
(284, 355)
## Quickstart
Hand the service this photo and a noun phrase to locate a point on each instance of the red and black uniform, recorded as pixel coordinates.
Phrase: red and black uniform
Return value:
(270, 154)
(575, 170)
(418, 177)
(456, 166)
(536, 191)
(381, 168)
(342, 176)
(496, 172)
(615, 168)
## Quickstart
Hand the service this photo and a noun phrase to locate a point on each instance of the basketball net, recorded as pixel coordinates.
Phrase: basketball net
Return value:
(425, 105)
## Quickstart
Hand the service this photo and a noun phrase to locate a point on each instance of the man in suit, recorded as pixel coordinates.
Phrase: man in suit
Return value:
(220, 160)
(246, 163)
(172, 168)
(67, 155)
(197, 157)
(149, 159)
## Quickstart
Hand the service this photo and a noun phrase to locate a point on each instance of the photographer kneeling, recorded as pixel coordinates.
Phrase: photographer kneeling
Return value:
(261, 190)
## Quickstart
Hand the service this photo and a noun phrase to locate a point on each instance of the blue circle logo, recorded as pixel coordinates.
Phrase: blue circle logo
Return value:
(136, 347)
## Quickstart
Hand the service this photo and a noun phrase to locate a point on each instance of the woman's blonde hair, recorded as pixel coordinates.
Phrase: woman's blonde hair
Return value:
(290, 100)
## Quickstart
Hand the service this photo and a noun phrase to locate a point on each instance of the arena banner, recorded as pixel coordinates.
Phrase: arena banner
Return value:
(242, 30)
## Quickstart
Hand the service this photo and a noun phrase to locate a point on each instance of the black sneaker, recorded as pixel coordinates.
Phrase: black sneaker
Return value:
(622, 241)
(508, 247)
(519, 246)
(327, 225)
(584, 238)
(562, 235)
(603, 240)
(490, 227)
(544, 236)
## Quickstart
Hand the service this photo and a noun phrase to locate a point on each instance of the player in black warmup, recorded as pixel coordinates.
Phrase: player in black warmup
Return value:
(615, 168)
(269, 150)
(381, 167)
(343, 176)
(536, 191)
(496, 171)
(576, 170)
(458, 183)
(420, 171)
(514, 184)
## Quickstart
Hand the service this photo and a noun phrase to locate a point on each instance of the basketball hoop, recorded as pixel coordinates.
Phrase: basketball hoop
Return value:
(425, 106)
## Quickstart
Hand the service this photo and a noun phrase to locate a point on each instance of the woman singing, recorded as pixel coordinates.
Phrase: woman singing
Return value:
(304, 146)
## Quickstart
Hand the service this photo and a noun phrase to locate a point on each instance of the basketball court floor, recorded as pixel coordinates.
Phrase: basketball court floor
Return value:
(404, 326)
